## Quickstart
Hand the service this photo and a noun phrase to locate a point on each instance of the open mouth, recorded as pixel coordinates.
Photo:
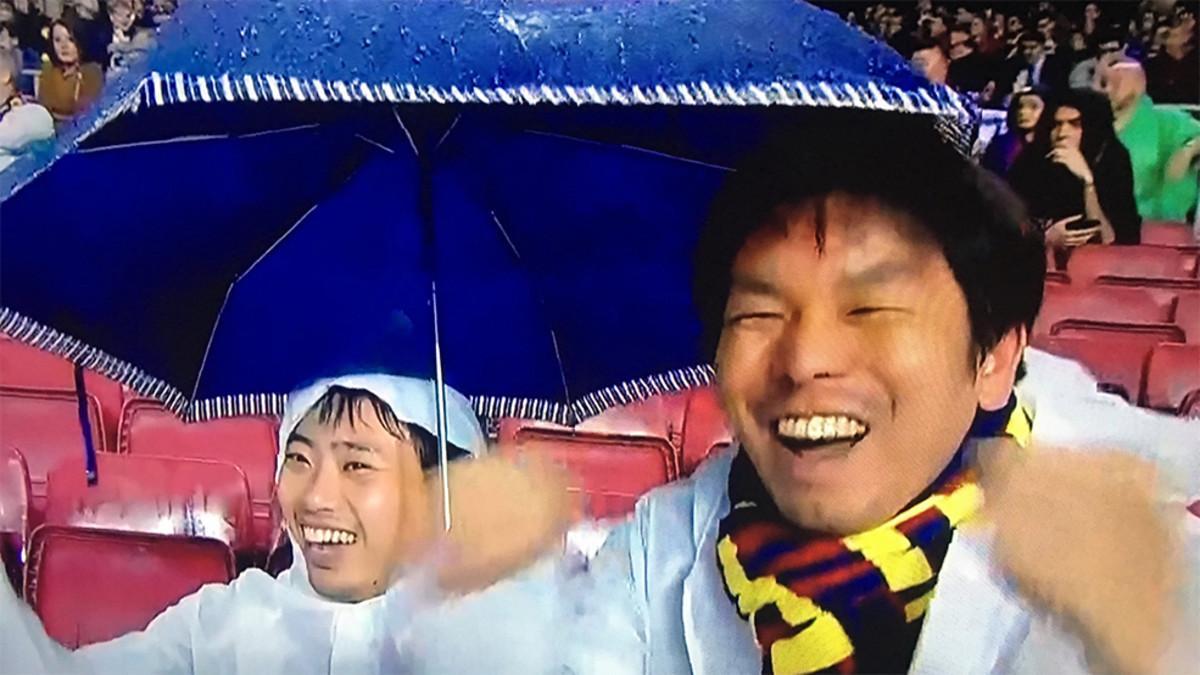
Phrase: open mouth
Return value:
(321, 536)
(801, 433)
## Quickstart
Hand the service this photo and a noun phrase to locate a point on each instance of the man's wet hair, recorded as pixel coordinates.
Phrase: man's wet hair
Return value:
(345, 405)
(900, 161)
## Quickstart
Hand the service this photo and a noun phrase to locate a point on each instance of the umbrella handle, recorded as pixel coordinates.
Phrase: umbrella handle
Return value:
(440, 397)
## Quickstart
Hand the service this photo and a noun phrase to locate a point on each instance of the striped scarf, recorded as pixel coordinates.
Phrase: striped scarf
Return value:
(822, 603)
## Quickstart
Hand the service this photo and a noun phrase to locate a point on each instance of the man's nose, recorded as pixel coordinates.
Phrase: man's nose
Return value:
(813, 346)
(324, 490)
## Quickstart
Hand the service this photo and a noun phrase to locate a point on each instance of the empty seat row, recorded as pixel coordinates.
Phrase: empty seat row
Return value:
(1134, 365)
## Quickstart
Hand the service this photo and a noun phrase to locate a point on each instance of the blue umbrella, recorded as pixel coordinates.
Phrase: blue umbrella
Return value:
(541, 166)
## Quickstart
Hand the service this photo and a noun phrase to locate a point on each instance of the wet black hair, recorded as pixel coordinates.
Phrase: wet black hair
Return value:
(1097, 118)
(344, 404)
(901, 161)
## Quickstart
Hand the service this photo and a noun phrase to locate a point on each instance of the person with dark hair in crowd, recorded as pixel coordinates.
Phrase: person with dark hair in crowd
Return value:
(970, 71)
(1033, 67)
(358, 494)
(931, 59)
(1024, 112)
(1163, 144)
(92, 28)
(1078, 171)
(68, 84)
(1106, 46)
(1173, 75)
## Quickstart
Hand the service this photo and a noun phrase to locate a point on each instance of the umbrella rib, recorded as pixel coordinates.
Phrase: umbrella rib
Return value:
(411, 143)
(448, 130)
(278, 241)
(370, 141)
(562, 371)
(161, 141)
(624, 146)
(500, 226)
(268, 132)
(208, 347)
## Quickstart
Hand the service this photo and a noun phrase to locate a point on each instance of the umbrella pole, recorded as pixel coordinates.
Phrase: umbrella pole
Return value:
(440, 396)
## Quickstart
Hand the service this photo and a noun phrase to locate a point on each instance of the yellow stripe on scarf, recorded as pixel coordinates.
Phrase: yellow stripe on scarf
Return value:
(823, 644)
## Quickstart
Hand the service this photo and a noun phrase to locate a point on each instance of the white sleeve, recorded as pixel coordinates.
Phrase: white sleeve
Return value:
(23, 125)
(606, 601)
(1069, 412)
(163, 647)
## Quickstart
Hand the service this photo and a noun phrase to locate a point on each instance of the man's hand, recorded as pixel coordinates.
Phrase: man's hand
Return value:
(504, 517)
(1074, 161)
(1082, 537)
(1058, 236)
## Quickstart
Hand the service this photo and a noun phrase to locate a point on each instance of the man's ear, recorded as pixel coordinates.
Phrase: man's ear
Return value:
(998, 372)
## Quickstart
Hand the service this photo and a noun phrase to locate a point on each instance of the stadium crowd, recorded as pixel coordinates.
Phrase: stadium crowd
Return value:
(55, 56)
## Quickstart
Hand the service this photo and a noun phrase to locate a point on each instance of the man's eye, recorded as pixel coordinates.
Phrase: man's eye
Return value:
(752, 316)
(294, 458)
(869, 310)
(356, 466)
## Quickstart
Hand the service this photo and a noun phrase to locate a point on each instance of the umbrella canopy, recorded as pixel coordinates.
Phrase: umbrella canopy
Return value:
(546, 164)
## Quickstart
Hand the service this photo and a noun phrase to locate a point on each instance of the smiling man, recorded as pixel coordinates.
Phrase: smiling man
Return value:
(867, 294)
(367, 588)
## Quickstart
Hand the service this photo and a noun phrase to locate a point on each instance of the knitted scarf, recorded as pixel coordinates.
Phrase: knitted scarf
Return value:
(852, 604)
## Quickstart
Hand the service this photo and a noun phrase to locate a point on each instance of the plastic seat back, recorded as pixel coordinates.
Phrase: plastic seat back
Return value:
(611, 472)
(1173, 372)
(247, 442)
(164, 495)
(94, 585)
(1101, 303)
(44, 426)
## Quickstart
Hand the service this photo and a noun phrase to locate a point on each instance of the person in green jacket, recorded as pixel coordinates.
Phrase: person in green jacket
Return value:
(1163, 145)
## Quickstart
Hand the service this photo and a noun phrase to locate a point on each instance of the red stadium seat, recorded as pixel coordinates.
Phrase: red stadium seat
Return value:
(248, 442)
(1173, 372)
(705, 426)
(14, 512)
(1168, 233)
(1090, 263)
(1101, 303)
(44, 426)
(30, 368)
(1115, 354)
(1187, 316)
(164, 495)
(93, 585)
(610, 471)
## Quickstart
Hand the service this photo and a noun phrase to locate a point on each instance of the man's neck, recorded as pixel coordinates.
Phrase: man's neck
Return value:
(1124, 115)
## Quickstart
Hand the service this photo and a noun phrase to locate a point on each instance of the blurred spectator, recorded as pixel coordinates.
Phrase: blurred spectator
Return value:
(92, 29)
(931, 59)
(32, 18)
(159, 11)
(127, 39)
(1163, 145)
(987, 41)
(1091, 19)
(23, 123)
(969, 70)
(1033, 67)
(10, 44)
(68, 84)
(1173, 75)
(1108, 48)
(1024, 113)
(1077, 170)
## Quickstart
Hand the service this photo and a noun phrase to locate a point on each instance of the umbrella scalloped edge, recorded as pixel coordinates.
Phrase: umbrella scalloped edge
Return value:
(159, 89)
(30, 332)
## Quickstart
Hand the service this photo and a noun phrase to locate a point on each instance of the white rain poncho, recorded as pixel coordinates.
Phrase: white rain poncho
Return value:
(259, 624)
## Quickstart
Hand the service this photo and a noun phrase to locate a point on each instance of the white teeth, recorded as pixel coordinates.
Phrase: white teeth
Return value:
(320, 535)
(820, 427)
